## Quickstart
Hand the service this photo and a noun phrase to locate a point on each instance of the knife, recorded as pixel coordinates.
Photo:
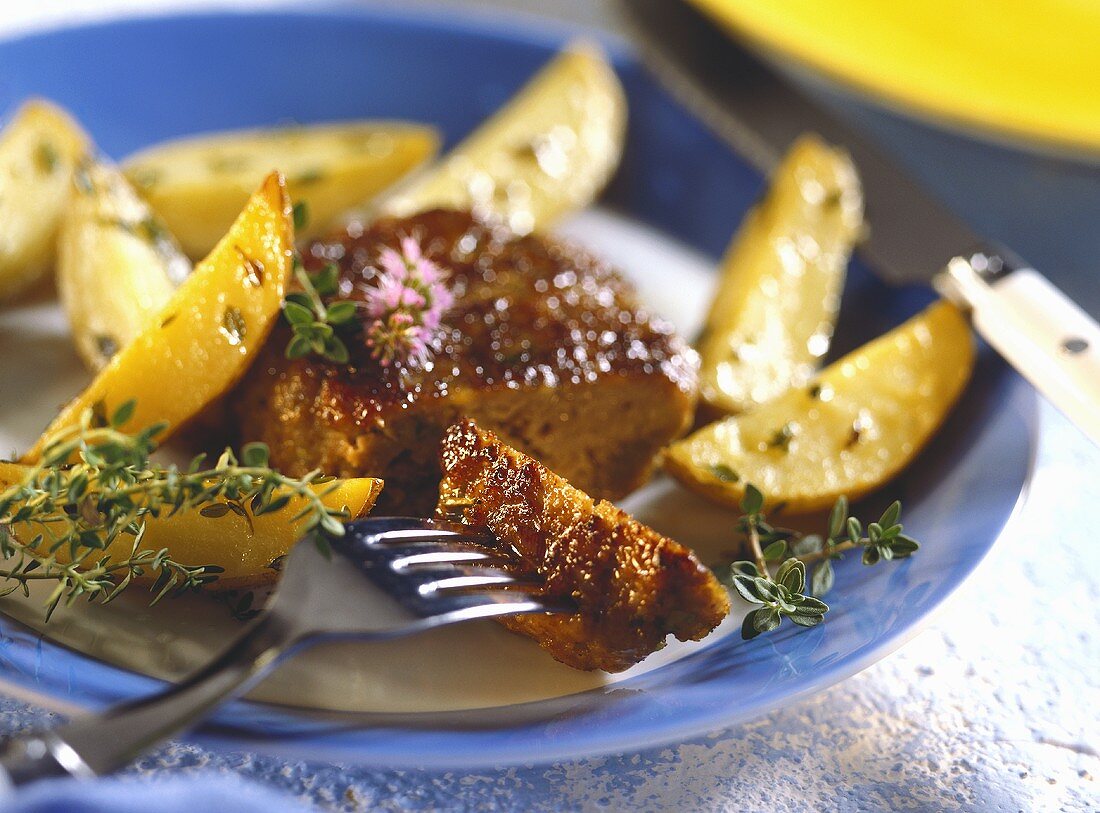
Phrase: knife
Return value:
(1051, 341)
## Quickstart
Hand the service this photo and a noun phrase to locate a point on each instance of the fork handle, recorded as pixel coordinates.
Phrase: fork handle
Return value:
(103, 742)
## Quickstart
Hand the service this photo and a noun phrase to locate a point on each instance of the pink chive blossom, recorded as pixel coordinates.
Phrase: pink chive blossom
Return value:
(406, 305)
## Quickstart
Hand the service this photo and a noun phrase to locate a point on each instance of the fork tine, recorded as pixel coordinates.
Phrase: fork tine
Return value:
(443, 572)
(416, 536)
(390, 530)
(426, 560)
(380, 525)
(400, 556)
(490, 578)
(486, 603)
(481, 567)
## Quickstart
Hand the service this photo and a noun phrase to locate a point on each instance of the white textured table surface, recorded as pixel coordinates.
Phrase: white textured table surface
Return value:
(995, 706)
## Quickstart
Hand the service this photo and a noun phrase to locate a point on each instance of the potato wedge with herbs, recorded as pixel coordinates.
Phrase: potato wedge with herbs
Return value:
(197, 185)
(849, 431)
(773, 314)
(203, 340)
(547, 153)
(117, 266)
(246, 547)
(39, 148)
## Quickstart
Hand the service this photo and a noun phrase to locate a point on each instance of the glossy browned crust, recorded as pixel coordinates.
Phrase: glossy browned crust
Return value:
(632, 586)
(545, 344)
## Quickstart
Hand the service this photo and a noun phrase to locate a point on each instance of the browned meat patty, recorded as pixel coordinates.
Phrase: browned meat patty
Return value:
(545, 345)
(633, 587)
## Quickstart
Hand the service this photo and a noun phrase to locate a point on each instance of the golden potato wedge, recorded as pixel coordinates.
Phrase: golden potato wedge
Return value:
(197, 185)
(117, 265)
(548, 152)
(244, 546)
(39, 148)
(206, 336)
(773, 314)
(853, 428)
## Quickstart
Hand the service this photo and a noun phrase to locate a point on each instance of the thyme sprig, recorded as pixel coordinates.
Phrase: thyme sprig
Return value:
(313, 323)
(82, 524)
(784, 594)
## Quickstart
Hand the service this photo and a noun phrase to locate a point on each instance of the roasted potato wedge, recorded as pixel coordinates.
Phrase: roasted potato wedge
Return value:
(773, 314)
(245, 547)
(117, 265)
(39, 148)
(855, 426)
(203, 340)
(548, 152)
(197, 185)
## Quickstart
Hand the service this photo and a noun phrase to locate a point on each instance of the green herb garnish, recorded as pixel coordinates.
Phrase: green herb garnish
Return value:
(228, 163)
(106, 345)
(82, 178)
(46, 157)
(145, 177)
(95, 510)
(314, 323)
(782, 437)
(241, 606)
(253, 269)
(724, 473)
(784, 594)
(300, 214)
(148, 229)
(152, 230)
(310, 176)
(233, 325)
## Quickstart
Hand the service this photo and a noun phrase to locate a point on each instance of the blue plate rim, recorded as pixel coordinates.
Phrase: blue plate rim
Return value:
(512, 27)
(507, 24)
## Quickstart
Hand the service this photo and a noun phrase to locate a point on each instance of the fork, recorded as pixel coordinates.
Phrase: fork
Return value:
(384, 578)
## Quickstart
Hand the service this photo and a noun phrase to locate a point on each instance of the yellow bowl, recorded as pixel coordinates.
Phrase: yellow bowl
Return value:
(1015, 68)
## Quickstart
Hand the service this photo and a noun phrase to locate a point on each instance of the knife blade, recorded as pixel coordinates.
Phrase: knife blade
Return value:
(912, 236)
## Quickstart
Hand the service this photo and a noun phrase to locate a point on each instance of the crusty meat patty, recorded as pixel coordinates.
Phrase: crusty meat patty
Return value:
(545, 345)
(632, 586)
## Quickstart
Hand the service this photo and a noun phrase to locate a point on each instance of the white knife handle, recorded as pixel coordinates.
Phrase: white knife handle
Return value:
(1041, 332)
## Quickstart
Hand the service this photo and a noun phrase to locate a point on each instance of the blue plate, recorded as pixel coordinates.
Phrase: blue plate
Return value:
(138, 81)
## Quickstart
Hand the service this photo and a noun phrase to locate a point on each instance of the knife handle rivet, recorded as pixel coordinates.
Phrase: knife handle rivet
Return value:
(1074, 346)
